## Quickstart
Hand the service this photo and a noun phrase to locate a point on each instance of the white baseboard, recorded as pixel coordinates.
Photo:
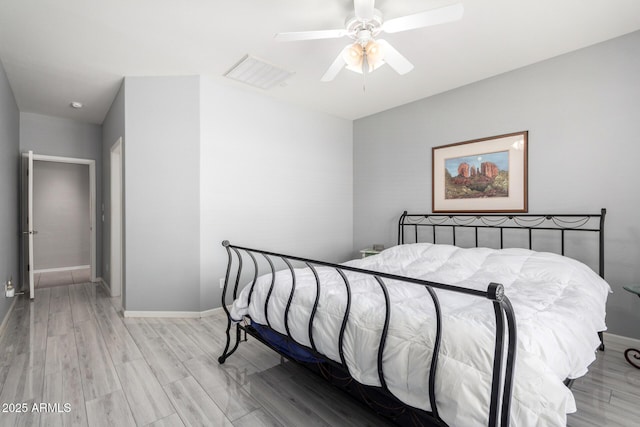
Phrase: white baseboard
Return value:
(619, 339)
(53, 270)
(173, 314)
(211, 312)
(5, 321)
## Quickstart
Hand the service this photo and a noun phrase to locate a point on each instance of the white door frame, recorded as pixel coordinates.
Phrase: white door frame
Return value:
(30, 231)
(115, 220)
(92, 199)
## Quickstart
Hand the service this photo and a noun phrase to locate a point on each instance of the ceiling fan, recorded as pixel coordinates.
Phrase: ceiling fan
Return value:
(367, 53)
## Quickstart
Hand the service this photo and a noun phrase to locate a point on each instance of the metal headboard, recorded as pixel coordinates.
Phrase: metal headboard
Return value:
(531, 222)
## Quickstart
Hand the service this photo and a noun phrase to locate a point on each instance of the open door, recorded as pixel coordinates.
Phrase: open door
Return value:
(26, 219)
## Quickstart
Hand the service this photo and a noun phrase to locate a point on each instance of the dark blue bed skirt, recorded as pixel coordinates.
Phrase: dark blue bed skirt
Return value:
(285, 345)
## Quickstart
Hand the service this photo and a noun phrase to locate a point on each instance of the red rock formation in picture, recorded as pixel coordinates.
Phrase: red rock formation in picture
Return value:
(489, 169)
(463, 170)
(473, 171)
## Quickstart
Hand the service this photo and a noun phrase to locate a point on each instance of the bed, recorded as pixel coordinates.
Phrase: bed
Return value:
(432, 333)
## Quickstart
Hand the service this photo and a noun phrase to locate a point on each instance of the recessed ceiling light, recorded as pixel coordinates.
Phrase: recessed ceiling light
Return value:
(77, 105)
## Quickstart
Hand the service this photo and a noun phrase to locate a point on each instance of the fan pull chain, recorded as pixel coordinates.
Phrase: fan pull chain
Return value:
(365, 69)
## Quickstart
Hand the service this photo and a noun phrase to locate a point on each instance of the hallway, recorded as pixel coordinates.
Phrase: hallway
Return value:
(61, 278)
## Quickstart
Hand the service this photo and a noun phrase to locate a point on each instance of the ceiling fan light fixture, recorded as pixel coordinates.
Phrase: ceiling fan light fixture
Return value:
(367, 54)
(375, 55)
(358, 57)
(353, 56)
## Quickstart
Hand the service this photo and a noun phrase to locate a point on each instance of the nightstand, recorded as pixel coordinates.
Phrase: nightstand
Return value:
(368, 252)
(631, 354)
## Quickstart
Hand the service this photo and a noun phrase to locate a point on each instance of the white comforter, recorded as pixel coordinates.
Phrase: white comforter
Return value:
(559, 305)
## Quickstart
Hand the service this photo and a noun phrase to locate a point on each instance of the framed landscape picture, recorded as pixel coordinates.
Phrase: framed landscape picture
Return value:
(482, 175)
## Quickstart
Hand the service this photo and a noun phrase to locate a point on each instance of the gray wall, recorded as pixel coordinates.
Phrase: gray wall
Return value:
(185, 138)
(61, 215)
(162, 175)
(273, 176)
(56, 136)
(67, 138)
(583, 116)
(9, 156)
(113, 128)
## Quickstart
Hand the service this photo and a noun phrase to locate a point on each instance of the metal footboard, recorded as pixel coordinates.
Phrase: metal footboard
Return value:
(238, 273)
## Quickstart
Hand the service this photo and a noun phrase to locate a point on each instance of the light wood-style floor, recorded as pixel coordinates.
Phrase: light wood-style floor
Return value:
(59, 278)
(71, 346)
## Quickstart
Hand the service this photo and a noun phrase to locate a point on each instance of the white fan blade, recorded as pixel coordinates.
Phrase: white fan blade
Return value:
(335, 68)
(424, 19)
(311, 35)
(364, 9)
(395, 60)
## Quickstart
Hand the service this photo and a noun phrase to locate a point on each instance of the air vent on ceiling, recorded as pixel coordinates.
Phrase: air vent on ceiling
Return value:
(257, 73)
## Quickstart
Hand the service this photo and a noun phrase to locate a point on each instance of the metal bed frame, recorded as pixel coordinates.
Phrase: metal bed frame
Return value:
(530, 222)
(338, 372)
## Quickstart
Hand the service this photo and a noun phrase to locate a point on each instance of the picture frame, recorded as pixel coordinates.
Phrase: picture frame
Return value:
(486, 175)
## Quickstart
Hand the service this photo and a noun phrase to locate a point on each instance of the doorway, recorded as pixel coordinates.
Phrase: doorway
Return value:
(60, 220)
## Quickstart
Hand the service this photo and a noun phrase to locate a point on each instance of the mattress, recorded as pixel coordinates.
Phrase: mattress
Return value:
(559, 305)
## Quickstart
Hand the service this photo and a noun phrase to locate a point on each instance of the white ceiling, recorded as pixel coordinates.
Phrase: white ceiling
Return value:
(58, 51)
